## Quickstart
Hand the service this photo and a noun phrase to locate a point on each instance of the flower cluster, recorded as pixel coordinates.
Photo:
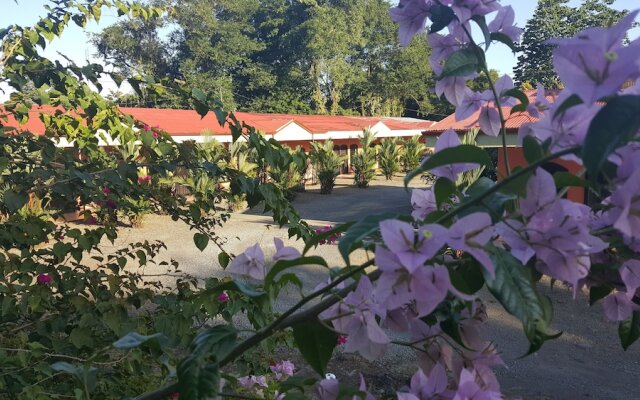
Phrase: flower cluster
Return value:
(252, 264)
(258, 385)
(329, 240)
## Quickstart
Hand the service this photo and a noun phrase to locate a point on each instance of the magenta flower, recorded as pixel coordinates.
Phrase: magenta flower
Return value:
(250, 263)
(411, 15)
(106, 191)
(283, 252)
(44, 279)
(146, 127)
(342, 340)
(223, 297)
(594, 63)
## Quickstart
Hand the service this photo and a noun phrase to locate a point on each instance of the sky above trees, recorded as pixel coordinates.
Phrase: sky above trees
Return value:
(75, 44)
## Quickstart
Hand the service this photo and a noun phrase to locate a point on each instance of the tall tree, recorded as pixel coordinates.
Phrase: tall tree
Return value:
(552, 19)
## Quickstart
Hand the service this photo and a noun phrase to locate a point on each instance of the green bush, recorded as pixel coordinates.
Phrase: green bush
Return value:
(326, 164)
(411, 154)
(364, 161)
(389, 157)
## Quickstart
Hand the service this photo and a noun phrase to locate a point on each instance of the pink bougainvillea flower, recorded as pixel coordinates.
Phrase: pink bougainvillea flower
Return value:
(412, 247)
(284, 252)
(44, 279)
(250, 263)
(342, 340)
(146, 127)
(155, 134)
(106, 191)
(470, 234)
(411, 15)
(423, 203)
(595, 63)
(223, 297)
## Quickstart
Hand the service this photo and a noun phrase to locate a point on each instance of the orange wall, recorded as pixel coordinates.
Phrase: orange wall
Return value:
(517, 159)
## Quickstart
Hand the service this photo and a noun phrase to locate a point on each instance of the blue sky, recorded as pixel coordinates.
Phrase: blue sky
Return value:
(75, 42)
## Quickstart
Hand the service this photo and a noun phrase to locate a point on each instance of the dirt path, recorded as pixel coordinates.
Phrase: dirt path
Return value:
(587, 362)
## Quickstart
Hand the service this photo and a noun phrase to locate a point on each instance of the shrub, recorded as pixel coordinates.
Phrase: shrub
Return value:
(326, 164)
(389, 157)
(364, 161)
(411, 154)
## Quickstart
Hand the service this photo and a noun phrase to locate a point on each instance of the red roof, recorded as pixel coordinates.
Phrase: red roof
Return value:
(189, 123)
(513, 123)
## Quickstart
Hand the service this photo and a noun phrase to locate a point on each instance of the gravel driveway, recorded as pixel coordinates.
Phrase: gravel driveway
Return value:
(587, 361)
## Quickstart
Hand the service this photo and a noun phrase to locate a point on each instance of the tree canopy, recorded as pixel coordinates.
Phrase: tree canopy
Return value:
(552, 19)
(325, 56)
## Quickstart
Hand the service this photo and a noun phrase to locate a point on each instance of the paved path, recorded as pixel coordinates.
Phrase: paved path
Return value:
(585, 363)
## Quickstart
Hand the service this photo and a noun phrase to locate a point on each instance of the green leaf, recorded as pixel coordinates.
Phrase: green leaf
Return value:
(283, 265)
(315, 239)
(134, 339)
(198, 373)
(199, 95)
(532, 149)
(629, 330)
(14, 200)
(441, 16)
(467, 278)
(465, 153)
(354, 236)
(504, 39)
(462, 62)
(223, 259)
(614, 125)
(597, 293)
(567, 179)
(201, 241)
(520, 95)
(316, 343)
(147, 138)
(514, 287)
(481, 21)
(81, 337)
(571, 101)
(443, 190)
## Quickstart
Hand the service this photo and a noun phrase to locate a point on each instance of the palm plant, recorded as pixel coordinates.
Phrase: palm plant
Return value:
(389, 155)
(288, 175)
(467, 178)
(364, 161)
(411, 153)
(326, 163)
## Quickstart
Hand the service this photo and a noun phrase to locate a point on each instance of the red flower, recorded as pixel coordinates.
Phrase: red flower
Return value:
(44, 279)
(342, 340)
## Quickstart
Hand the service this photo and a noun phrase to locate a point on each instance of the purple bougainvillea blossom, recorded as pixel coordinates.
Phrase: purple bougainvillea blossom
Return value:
(449, 138)
(430, 386)
(595, 63)
(470, 234)
(618, 307)
(412, 16)
(284, 252)
(251, 263)
(503, 23)
(423, 203)
(412, 247)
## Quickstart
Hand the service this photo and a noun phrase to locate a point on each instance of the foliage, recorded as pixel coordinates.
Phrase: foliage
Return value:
(555, 19)
(277, 56)
(364, 161)
(389, 157)
(288, 175)
(467, 178)
(412, 152)
(326, 164)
